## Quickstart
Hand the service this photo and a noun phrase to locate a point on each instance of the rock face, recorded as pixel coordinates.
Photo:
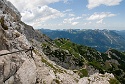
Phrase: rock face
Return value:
(20, 67)
(7, 8)
(96, 79)
(16, 68)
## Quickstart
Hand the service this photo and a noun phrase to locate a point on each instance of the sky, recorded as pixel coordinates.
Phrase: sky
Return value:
(72, 14)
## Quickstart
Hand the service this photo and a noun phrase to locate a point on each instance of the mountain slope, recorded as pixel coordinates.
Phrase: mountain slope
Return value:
(14, 66)
(99, 39)
(35, 67)
(121, 32)
(82, 58)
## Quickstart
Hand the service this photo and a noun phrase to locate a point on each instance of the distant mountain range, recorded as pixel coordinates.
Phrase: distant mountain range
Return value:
(122, 33)
(101, 40)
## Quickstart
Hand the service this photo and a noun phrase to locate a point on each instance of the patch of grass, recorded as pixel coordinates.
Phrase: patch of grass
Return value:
(44, 45)
(95, 64)
(114, 81)
(83, 73)
(51, 65)
(57, 43)
(57, 81)
(67, 45)
(98, 66)
(107, 66)
(46, 62)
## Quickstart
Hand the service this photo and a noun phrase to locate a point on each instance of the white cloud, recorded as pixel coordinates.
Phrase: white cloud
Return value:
(36, 12)
(22, 5)
(87, 23)
(72, 20)
(67, 10)
(99, 16)
(71, 15)
(75, 23)
(40, 14)
(100, 21)
(95, 3)
(67, 1)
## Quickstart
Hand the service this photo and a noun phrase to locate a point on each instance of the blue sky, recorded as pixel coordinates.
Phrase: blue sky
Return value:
(73, 14)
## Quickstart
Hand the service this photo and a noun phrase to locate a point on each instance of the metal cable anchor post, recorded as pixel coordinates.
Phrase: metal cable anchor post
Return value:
(31, 48)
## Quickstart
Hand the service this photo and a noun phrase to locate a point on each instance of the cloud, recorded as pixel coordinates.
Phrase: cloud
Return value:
(67, 10)
(75, 23)
(36, 12)
(22, 5)
(99, 16)
(100, 21)
(41, 14)
(95, 3)
(71, 15)
(87, 23)
(72, 20)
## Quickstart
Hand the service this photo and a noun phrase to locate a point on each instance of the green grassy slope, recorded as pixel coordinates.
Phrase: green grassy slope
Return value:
(73, 56)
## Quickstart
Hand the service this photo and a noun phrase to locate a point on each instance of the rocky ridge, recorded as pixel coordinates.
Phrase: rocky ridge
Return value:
(21, 68)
